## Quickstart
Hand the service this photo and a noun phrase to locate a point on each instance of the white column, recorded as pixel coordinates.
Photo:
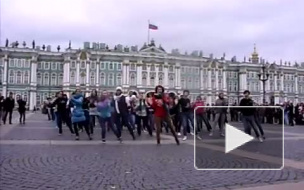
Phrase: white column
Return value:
(296, 84)
(275, 82)
(5, 72)
(32, 100)
(216, 80)
(88, 74)
(261, 87)
(33, 73)
(202, 78)
(97, 73)
(282, 82)
(77, 73)
(124, 74)
(268, 85)
(224, 80)
(148, 75)
(156, 74)
(128, 74)
(166, 76)
(139, 74)
(176, 76)
(66, 73)
(209, 79)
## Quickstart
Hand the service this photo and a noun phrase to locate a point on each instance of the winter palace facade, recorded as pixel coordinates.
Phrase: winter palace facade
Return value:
(37, 73)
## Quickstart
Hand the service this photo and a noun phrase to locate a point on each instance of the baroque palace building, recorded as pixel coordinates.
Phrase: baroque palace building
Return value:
(37, 73)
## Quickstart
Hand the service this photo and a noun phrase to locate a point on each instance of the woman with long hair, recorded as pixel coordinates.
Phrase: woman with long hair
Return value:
(104, 115)
(79, 118)
(141, 116)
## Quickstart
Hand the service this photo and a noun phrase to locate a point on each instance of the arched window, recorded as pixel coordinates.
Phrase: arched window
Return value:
(92, 78)
(111, 79)
(54, 79)
(133, 79)
(111, 67)
(257, 86)
(72, 78)
(102, 79)
(118, 79)
(144, 79)
(236, 87)
(213, 84)
(152, 68)
(26, 77)
(160, 68)
(19, 63)
(38, 99)
(133, 67)
(152, 79)
(54, 66)
(183, 82)
(19, 76)
(220, 84)
(60, 79)
(197, 83)
(160, 79)
(189, 85)
(230, 86)
(46, 79)
(39, 79)
(171, 68)
(171, 81)
(82, 77)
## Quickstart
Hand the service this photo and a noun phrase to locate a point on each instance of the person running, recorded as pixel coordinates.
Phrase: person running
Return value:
(174, 111)
(248, 115)
(186, 114)
(121, 114)
(161, 112)
(92, 109)
(78, 114)
(8, 105)
(220, 113)
(61, 108)
(141, 116)
(104, 111)
(21, 109)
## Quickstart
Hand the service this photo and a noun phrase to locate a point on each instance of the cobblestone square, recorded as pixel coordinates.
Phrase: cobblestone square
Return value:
(33, 156)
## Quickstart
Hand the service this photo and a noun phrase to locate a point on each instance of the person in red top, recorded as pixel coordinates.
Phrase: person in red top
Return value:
(201, 115)
(159, 102)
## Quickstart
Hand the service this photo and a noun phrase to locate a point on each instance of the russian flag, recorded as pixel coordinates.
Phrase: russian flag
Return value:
(153, 27)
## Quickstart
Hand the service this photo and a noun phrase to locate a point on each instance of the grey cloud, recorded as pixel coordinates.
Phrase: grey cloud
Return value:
(212, 26)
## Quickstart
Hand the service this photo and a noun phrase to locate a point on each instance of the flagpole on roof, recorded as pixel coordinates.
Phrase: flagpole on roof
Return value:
(148, 32)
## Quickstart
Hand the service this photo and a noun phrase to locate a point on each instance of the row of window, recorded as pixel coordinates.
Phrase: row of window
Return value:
(20, 63)
(93, 79)
(47, 79)
(103, 65)
(18, 77)
(50, 65)
(190, 70)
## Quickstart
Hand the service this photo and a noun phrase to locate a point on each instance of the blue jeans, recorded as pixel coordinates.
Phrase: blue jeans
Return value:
(286, 118)
(102, 122)
(187, 118)
(132, 120)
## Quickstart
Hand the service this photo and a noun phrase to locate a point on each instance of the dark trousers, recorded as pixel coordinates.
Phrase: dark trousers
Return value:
(142, 123)
(103, 122)
(10, 113)
(92, 123)
(248, 122)
(81, 125)
(200, 118)
(22, 116)
(258, 123)
(60, 117)
(120, 120)
(158, 124)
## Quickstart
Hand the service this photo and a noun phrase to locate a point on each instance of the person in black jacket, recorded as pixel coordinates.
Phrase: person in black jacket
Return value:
(248, 115)
(21, 109)
(9, 104)
(121, 113)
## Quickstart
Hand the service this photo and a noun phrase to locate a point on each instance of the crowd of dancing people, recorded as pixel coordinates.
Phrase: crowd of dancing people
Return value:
(153, 112)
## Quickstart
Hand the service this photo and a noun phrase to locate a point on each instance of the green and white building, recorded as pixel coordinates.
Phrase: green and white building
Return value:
(37, 74)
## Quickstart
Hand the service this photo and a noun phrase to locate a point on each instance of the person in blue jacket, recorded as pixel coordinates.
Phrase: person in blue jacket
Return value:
(78, 115)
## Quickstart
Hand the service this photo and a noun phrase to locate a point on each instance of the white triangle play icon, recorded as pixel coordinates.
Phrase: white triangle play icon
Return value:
(235, 138)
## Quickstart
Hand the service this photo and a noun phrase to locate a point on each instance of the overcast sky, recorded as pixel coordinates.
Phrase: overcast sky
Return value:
(213, 26)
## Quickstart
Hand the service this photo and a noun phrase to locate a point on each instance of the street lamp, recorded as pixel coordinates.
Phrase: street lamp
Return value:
(264, 76)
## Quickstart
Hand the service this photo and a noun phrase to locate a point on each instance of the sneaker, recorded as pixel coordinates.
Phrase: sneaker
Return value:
(179, 134)
(192, 133)
(185, 138)
(77, 138)
(90, 138)
(103, 140)
(119, 139)
(261, 139)
(59, 134)
(210, 134)
(198, 137)
(222, 135)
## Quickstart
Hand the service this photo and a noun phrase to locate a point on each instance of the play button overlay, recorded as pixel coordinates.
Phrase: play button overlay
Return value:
(219, 146)
(235, 138)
